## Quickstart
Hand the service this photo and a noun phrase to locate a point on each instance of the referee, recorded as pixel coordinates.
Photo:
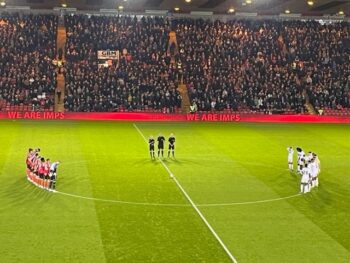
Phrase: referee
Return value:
(151, 147)
(171, 148)
(160, 140)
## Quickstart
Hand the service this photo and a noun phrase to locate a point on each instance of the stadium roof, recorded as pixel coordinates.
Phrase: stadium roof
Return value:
(265, 7)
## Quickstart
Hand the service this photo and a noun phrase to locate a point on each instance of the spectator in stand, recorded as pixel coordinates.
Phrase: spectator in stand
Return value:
(27, 47)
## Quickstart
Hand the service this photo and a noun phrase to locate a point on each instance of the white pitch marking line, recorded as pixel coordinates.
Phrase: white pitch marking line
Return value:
(121, 202)
(250, 202)
(193, 204)
(175, 205)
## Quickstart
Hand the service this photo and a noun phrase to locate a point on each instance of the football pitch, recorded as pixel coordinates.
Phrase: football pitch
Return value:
(231, 194)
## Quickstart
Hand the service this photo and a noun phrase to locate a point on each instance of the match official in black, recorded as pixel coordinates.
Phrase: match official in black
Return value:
(171, 147)
(160, 140)
(151, 147)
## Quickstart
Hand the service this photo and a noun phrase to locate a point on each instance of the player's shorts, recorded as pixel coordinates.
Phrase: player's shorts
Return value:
(47, 177)
(160, 147)
(41, 176)
(305, 180)
(151, 148)
(171, 146)
(53, 177)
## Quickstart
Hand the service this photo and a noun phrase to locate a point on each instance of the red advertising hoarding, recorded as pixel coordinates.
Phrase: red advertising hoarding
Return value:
(197, 117)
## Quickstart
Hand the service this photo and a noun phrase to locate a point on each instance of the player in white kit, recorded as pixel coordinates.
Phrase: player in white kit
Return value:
(313, 172)
(290, 158)
(301, 159)
(305, 180)
(309, 156)
(53, 175)
(318, 168)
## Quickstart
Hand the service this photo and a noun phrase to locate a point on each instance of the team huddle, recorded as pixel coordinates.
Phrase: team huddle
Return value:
(161, 140)
(41, 171)
(308, 166)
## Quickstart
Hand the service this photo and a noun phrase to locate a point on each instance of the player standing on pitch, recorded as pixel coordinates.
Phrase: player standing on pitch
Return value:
(301, 159)
(305, 179)
(151, 147)
(53, 175)
(160, 140)
(290, 158)
(171, 145)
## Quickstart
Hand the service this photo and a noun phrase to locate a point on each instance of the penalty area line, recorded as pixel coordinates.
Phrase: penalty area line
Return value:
(189, 199)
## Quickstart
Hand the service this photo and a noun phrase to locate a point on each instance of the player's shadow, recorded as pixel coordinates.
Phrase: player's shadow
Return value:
(183, 161)
(21, 192)
(179, 162)
(167, 160)
(322, 196)
(145, 161)
(68, 180)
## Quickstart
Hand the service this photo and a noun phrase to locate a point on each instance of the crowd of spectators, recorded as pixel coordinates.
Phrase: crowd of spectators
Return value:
(144, 78)
(265, 65)
(260, 65)
(27, 48)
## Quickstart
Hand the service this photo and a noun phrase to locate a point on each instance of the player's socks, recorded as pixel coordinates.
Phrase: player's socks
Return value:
(302, 188)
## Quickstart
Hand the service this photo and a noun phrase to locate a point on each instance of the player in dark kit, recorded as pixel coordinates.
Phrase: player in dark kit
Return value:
(171, 148)
(151, 147)
(160, 140)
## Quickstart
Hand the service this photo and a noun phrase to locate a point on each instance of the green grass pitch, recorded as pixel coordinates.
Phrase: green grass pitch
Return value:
(216, 163)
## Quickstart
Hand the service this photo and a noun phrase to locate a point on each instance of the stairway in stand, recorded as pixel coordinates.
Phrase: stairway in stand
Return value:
(308, 105)
(60, 79)
(173, 49)
(185, 105)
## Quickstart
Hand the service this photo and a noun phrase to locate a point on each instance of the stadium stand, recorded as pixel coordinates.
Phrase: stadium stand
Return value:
(27, 50)
(265, 65)
(251, 66)
(142, 79)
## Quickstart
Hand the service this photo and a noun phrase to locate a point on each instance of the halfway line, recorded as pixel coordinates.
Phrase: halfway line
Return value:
(193, 204)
